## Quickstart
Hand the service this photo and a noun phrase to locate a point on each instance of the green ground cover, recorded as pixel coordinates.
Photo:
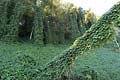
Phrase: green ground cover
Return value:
(102, 63)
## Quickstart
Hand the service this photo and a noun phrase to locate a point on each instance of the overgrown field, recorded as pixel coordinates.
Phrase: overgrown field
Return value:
(102, 64)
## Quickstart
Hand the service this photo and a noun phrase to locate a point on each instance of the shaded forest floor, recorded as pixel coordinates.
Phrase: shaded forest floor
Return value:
(105, 62)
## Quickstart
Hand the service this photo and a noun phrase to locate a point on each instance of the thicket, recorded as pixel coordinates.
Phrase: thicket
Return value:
(42, 21)
(99, 33)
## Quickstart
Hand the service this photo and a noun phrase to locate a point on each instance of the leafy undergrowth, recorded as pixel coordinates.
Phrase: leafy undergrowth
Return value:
(104, 64)
(24, 61)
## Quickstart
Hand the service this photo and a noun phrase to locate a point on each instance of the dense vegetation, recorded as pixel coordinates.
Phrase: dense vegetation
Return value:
(104, 62)
(48, 21)
(99, 33)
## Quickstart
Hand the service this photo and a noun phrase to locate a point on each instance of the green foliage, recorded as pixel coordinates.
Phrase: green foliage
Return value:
(100, 33)
(15, 59)
(11, 19)
(61, 22)
(90, 19)
(104, 62)
(22, 68)
(17, 62)
(9, 22)
(38, 25)
(44, 22)
(25, 60)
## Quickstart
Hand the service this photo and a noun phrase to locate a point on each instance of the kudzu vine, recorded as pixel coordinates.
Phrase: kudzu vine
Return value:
(11, 14)
(101, 32)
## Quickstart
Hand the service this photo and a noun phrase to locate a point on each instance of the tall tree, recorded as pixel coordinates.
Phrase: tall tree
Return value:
(80, 20)
(90, 19)
(18, 19)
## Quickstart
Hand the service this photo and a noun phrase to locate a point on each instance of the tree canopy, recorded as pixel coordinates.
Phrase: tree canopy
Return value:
(42, 21)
